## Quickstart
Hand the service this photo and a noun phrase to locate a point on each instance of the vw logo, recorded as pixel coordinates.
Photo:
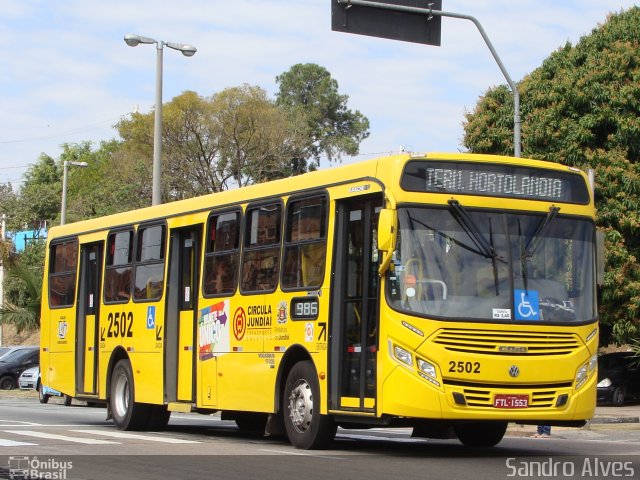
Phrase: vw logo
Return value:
(514, 371)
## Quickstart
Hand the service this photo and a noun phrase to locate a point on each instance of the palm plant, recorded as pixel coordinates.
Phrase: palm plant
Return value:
(24, 313)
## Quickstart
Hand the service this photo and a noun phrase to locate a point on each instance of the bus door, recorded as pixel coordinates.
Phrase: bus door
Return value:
(354, 328)
(180, 319)
(87, 319)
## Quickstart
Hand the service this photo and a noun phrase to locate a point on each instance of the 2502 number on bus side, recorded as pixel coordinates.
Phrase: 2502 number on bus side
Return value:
(120, 324)
(464, 367)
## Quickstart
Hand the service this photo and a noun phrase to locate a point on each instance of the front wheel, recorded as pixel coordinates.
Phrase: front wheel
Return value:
(305, 427)
(42, 397)
(480, 434)
(126, 413)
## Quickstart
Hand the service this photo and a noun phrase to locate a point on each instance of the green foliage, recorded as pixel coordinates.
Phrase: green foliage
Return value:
(581, 107)
(40, 196)
(310, 95)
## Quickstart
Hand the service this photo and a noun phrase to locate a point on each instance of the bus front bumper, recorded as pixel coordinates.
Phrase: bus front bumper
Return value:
(406, 395)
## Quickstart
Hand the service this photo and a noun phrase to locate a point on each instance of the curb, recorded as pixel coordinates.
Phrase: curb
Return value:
(612, 420)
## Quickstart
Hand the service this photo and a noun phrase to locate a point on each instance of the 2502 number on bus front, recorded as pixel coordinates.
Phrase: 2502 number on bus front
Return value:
(120, 324)
(464, 367)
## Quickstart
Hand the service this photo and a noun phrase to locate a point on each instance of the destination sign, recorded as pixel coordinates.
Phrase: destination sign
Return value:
(495, 181)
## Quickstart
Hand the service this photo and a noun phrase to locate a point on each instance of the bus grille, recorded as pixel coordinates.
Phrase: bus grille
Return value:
(484, 398)
(494, 342)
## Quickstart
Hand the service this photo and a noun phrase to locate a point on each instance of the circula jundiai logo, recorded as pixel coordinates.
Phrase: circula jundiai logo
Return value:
(239, 323)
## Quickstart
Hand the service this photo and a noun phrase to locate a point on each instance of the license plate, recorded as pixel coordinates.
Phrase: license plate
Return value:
(511, 401)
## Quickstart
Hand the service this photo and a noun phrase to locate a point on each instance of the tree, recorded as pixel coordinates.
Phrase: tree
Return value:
(39, 198)
(581, 107)
(255, 141)
(310, 96)
(233, 138)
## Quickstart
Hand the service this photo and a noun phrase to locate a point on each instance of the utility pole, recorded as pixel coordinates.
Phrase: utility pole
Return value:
(3, 222)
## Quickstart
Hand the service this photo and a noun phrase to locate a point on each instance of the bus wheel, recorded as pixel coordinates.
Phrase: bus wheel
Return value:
(42, 397)
(305, 427)
(67, 400)
(126, 413)
(480, 434)
(158, 417)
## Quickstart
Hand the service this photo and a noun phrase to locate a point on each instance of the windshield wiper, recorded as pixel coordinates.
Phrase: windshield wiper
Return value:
(526, 253)
(540, 232)
(485, 248)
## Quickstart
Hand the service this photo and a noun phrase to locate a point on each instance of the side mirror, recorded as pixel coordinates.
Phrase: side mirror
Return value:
(386, 229)
(387, 233)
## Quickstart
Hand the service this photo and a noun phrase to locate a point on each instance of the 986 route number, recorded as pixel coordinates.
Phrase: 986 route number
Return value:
(464, 367)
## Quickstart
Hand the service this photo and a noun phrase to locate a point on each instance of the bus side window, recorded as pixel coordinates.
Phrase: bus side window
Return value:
(305, 243)
(62, 273)
(222, 254)
(117, 276)
(261, 257)
(149, 272)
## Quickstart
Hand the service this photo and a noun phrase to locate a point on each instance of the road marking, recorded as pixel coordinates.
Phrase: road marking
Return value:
(301, 454)
(135, 436)
(13, 443)
(52, 436)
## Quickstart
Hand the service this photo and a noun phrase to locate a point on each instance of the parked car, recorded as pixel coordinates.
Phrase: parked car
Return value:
(30, 380)
(4, 351)
(618, 378)
(14, 363)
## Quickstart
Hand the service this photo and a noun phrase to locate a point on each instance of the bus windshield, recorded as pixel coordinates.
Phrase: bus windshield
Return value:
(459, 263)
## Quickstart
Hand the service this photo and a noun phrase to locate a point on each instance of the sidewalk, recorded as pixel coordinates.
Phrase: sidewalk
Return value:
(607, 421)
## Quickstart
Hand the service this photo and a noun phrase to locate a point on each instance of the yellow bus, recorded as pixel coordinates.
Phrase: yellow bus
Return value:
(451, 293)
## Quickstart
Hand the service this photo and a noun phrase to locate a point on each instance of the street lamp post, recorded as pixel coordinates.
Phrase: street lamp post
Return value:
(187, 51)
(65, 167)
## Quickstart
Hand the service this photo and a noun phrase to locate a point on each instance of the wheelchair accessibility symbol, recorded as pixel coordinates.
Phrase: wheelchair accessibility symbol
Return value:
(151, 318)
(527, 305)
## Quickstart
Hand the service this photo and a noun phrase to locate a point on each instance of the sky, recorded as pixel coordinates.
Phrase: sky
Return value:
(66, 75)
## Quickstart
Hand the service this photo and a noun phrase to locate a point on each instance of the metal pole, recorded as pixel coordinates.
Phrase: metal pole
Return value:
(63, 212)
(427, 12)
(2, 231)
(157, 131)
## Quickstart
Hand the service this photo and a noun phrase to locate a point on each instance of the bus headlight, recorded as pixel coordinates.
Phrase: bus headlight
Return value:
(427, 368)
(582, 375)
(402, 355)
(593, 363)
(586, 370)
(427, 371)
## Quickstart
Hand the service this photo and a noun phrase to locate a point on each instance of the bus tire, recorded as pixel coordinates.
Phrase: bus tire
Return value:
(127, 414)
(305, 427)
(42, 397)
(480, 433)
(158, 418)
(67, 400)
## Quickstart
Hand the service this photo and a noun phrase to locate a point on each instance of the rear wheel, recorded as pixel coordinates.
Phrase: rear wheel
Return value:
(618, 397)
(42, 397)
(480, 434)
(7, 383)
(305, 427)
(127, 414)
